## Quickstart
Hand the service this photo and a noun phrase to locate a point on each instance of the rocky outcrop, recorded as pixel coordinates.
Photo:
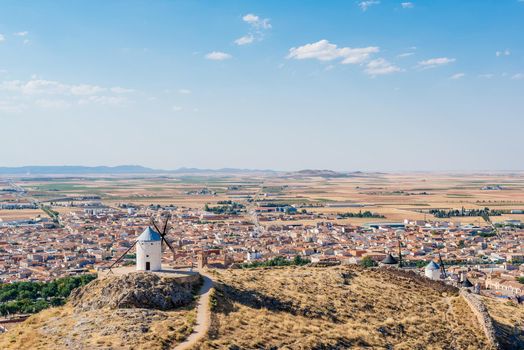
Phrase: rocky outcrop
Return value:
(133, 290)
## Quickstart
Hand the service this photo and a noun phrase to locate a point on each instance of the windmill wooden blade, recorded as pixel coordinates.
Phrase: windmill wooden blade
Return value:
(164, 231)
(122, 256)
(169, 245)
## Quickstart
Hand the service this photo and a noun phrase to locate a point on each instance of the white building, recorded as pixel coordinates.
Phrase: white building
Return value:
(253, 256)
(149, 251)
(432, 271)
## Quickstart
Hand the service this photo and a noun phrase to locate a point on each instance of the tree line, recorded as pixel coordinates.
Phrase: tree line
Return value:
(31, 297)
(486, 212)
(277, 261)
(360, 214)
(226, 207)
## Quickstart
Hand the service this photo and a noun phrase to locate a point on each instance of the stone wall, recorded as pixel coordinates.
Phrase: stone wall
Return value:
(479, 309)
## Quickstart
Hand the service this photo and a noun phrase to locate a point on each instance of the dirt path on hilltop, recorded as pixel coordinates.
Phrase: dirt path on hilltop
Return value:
(203, 319)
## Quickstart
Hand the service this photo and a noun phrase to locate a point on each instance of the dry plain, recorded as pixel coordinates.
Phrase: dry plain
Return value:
(395, 196)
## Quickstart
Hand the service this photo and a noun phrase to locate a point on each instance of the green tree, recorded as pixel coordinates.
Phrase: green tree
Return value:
(367, 262)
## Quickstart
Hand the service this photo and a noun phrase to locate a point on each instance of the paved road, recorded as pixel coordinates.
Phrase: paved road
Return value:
(203, 318)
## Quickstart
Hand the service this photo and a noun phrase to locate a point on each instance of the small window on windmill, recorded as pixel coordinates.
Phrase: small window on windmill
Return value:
(147, 256)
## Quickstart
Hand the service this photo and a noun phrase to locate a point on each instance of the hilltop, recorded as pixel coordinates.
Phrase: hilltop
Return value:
(294, 307)
(337, 308)
(133, 311)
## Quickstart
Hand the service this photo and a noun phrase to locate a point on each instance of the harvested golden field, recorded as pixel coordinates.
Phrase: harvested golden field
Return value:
(337, 308)
(21, 214)
(395, 196)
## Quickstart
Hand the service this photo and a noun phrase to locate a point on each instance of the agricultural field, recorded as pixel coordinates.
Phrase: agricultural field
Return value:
(392, 197)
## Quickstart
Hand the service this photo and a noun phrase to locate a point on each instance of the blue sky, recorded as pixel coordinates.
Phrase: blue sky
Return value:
(344, 85)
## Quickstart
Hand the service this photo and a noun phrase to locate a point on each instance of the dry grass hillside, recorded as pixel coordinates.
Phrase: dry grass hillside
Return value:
(336, 308)
(508, 319)
(112, 313)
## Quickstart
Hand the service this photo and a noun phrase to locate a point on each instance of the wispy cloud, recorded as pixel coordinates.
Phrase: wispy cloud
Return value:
(218, 56)
(457, 76)
(503, 53)
(381, 66)
(121, 90)
(323, 50)
(49, 87)
(52, 104)
(184, 91)
(518, 76)
(244, 40)
(256, 21)
(405, 54)
(364, 5)
(436, 62)
(407, 5)
(52, 94)
(2, 38)
(258, 27)
(177, 109)
(25, 33)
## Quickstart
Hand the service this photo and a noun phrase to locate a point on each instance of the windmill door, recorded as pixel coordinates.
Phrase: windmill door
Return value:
(148, 266)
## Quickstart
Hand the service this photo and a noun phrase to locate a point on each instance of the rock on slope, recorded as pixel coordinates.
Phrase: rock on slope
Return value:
(134, 311)
(134, 290)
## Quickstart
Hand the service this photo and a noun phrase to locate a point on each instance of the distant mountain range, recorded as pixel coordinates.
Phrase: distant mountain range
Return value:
(140, 170)
(115, 170)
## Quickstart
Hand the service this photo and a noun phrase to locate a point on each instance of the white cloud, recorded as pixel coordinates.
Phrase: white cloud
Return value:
(49, 87)
(503, 53)
(323, 50)
(435, 62)
(52, 104)
(407, 5)
(364, 5)
(381, 66)
(518, 76)
(405, 54)
(53, 94)
(246, 39)
(25, 33)
(85, 89)
(218, 56)
(35, 87)
(103, 100)
(177, 108)
(257, 28)
(184, 91)
(2, 38)
(256, 21)
(457, 76)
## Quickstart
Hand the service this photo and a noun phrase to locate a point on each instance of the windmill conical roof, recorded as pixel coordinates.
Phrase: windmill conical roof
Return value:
(149, 235)
(466, 283)
(432, 266)
(390, 260)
